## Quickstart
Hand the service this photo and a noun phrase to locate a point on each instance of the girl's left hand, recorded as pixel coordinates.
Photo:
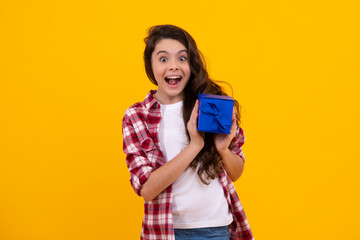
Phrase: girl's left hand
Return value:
(222, 141)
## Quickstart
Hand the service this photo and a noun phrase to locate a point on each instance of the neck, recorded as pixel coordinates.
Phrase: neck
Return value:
(167, 99)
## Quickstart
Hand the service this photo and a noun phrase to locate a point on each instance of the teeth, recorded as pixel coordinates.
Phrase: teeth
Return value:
(173, 77)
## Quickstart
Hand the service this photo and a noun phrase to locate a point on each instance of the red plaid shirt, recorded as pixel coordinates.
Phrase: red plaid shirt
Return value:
(143, 155)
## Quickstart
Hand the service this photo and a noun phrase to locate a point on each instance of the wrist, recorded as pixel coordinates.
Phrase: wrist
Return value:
(224, 152)
(196, 146)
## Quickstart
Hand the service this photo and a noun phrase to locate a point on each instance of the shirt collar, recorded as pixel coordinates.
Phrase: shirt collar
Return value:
(150, 101)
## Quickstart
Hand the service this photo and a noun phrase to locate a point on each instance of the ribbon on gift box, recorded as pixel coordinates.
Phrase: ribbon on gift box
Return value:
(222, 122)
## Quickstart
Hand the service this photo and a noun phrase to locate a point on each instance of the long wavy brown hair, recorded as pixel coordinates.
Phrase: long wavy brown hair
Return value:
(199, 82)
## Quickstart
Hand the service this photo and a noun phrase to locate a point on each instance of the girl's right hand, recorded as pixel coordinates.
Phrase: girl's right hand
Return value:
(196, 137)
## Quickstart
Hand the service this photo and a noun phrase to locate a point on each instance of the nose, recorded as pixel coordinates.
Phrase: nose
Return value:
(173, 65)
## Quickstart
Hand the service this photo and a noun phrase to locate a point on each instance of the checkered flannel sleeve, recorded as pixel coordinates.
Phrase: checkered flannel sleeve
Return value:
(238, 141)
(138, 165)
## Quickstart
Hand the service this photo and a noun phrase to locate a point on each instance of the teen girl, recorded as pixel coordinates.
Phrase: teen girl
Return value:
(184, 176)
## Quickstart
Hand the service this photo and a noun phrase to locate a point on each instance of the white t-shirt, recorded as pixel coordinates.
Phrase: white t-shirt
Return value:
(195, 205)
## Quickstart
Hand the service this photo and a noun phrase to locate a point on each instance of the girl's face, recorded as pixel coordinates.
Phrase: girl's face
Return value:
(171, 70)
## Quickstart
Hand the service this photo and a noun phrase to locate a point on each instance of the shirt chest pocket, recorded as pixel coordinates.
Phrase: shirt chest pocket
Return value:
(152, 152)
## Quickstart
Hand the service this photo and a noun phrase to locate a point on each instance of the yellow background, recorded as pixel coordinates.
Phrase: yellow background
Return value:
(69, 69)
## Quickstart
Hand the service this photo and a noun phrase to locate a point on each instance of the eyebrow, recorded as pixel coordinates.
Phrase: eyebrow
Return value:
(163, 51)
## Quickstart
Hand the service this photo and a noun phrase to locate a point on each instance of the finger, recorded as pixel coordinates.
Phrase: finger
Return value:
(191, 125)
(194, 112)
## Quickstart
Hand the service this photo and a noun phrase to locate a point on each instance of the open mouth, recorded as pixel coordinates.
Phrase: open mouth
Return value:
(173, 80)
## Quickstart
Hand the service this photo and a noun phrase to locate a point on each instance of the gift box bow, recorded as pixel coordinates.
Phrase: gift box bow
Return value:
(209, 108)
(215, 113)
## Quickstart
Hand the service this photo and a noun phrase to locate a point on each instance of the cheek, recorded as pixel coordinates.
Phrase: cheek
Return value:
(188, 70)
(158, 72)
(156, 69)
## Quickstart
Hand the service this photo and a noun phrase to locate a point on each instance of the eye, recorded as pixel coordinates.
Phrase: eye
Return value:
(163, 59)
(182, 59)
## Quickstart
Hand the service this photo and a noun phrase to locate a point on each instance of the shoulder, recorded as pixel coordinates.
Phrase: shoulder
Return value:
(135, 112)
(141, 109)
(135, 108)
(240, 134)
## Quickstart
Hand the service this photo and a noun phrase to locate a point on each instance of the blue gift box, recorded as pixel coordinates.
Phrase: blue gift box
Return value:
(215, 113)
